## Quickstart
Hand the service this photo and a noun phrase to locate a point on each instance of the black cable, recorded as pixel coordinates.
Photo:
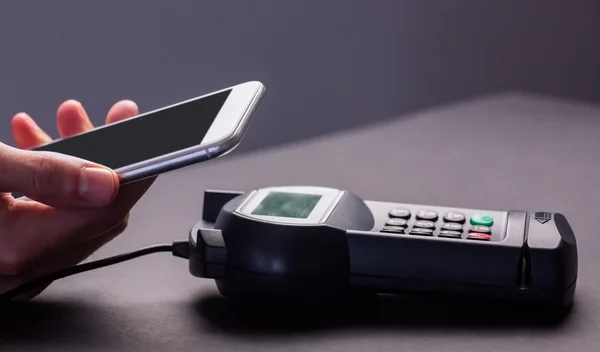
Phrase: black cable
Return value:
(178, 249)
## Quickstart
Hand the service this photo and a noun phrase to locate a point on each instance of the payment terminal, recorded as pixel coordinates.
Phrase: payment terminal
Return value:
(306, 242)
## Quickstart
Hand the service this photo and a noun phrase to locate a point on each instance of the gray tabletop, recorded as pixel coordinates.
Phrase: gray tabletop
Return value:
(501, 152)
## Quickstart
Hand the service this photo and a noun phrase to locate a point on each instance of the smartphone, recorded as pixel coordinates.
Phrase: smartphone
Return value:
(169, 138)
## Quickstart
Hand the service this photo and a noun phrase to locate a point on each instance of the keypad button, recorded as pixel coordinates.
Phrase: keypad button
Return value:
(396, 222)
(453, 216)
(481, 229)
(481, 219)
(427, 215)
(425, 224)
(421, 231)
(402, 213)
(450, 234)
(478, 236)
(393, 229)
(452, 226)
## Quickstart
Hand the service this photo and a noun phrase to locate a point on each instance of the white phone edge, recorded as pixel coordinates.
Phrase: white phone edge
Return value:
(224, 135)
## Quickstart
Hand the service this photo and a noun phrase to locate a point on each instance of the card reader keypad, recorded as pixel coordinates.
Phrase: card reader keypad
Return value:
(456, 224)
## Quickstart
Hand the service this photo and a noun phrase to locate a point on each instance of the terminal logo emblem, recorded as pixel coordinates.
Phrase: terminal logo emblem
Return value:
(542, 217)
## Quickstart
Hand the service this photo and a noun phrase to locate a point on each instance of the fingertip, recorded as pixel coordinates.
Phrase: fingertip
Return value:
(121, 110)
(18, 121)
(19, 129)
(26, 133)
(72, 119)
(71, 108)
(128, 103)
(70, 104)
(21, 115)
(21, 119)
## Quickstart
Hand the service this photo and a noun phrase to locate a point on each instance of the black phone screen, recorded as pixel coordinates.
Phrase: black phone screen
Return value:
(145, 137)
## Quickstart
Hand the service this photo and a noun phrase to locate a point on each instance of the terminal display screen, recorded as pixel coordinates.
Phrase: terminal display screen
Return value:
(287, 204)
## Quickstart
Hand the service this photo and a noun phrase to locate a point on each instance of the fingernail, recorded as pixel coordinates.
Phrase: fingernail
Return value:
(96, 185)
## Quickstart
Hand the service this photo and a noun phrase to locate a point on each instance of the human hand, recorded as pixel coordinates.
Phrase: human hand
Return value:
(72, 206)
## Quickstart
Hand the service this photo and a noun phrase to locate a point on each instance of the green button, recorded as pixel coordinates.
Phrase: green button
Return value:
(483, 220)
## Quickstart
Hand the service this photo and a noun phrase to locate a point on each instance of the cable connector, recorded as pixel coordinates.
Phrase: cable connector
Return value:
(181, 249)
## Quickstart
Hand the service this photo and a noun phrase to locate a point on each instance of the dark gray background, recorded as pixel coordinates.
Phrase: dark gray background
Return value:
(327, 65)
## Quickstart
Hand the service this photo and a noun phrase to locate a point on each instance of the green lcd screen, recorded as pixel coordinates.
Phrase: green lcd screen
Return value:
(287, 205)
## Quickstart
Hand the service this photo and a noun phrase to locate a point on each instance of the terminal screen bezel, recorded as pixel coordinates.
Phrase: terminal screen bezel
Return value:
(319, 212)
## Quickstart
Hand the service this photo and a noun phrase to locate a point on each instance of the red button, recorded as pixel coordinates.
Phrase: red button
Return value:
(479, 236)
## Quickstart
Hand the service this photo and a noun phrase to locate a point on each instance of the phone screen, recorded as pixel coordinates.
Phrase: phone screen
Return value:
(146, 137)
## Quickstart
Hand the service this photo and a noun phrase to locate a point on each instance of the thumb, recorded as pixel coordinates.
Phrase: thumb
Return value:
(55, 179)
